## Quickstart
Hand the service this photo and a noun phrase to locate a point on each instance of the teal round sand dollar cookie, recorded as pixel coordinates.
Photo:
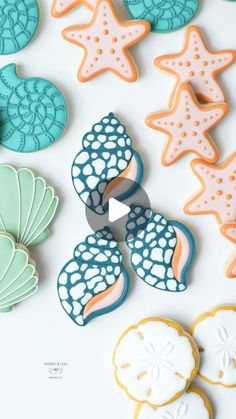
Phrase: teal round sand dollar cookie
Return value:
(163, 15)
(18, 23)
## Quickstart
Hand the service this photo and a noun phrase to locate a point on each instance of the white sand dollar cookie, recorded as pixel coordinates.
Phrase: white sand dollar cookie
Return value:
(155, 361)
(215, 334)
(191, 405)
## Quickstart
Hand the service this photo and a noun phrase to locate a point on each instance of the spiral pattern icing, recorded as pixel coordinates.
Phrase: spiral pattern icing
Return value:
(164, 15)
(33, 112)
(18, 24)
(162, 250)
(88, 279)
(106, 154)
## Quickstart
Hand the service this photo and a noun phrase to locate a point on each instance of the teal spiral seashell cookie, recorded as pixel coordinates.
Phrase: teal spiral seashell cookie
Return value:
(163, 15)
(94, 281)
(33, 112)
(107, 158)
(162, 251)
(18, 24)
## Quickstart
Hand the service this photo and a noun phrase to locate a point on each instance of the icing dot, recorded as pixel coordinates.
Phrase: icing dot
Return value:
(204, 63)
(219, 192)
(106, 32)
(196, 56)
(194, 133)
(187, 116)
(99, 51)
(183, 134)
(114, 39)
(219, 180)
(96, 39)
(179, 125)
(196, 123)
(228, 196)
(187, 63)
(191, 73)
(202, 73)
(112, 51)
(231, 178)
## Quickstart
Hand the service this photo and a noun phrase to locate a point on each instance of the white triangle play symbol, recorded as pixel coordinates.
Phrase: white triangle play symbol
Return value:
(116, 210)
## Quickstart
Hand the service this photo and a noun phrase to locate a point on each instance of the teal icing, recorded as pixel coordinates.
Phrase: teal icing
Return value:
(107, 152)
(163, 15)
(33, 112)
(152, 240)
(96, 266)
(18, 24)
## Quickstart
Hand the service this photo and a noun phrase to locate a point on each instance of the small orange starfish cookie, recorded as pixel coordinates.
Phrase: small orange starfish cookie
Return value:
(61, 7)
(229, 231)
(186, 125)
(197, 64)
(218, 193)
(105, 41)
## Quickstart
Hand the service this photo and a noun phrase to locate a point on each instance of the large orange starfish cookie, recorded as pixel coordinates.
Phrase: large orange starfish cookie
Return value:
(186, 126)
(229, 231)
(61, 7)
(105, 41)
(218, 193)
(197, 64)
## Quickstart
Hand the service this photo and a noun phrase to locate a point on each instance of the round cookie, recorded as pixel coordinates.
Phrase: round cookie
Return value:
(163, 15)
(18, 24)
(215, 334)
(33, 112)
(155, 361)
(191, 405)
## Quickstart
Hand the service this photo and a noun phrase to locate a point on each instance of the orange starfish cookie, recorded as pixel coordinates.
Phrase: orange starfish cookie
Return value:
(105, 41)
(218, 193)
(186, 125)
(61, 7)
(197, 64)
(229, 231)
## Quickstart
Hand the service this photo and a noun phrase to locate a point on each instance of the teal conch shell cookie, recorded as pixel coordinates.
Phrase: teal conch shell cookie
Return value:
(164, 15)
(27, 205)
(162, 251)
(18, 24)
(106, 160)
(18, 276)
(33, 112)
(94, 281)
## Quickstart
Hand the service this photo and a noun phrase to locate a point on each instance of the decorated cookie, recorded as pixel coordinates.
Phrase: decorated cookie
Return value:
(18, 24)
(197, 64)
(218, 191)
(155, 361)
(18, 276)
(106, 40)
(94, 281)
(27, 205)
(33, 112)
(191, 405)
(229, 231)
(187, 125)
(162, 251)
(215, 334)
(107, 158)
(163, 15)
(61, 7)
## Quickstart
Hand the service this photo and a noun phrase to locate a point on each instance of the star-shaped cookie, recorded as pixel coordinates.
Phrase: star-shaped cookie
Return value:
(197, 64)
(218, 192)
(61, 7)
(187, 125)
(105, 41)
(229, 231)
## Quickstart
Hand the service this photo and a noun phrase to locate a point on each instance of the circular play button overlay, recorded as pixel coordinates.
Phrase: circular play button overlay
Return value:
(118, 204)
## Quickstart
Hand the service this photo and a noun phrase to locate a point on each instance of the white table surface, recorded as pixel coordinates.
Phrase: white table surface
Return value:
(38, 330)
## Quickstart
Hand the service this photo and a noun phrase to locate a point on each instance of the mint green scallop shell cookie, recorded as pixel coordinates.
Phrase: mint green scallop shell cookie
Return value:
(18, 276)
(27, 205)
(18, 23)
(163, 15)
(33, 112)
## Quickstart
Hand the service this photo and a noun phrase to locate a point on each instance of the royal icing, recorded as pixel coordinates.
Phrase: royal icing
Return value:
(162, 251)
(218, 192)
(18, 276)
(61, 7)
(197, 64)
(33, 112)
(191, 405)
(215, 334)
(187, 125)
(105, 41)
(155, 361)
(94, 282)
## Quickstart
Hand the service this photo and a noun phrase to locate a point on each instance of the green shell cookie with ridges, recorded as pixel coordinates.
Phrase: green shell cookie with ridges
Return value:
(18, 23)
(33, 112)
(164, 15)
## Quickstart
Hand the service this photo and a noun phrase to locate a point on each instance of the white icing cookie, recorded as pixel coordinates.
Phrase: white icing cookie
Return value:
(155, 361)
(191, 405)
(215, 334)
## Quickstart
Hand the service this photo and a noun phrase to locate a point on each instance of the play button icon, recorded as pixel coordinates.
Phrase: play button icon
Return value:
(117, 210)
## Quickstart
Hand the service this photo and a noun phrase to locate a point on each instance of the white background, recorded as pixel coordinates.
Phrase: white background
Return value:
(38, 330)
